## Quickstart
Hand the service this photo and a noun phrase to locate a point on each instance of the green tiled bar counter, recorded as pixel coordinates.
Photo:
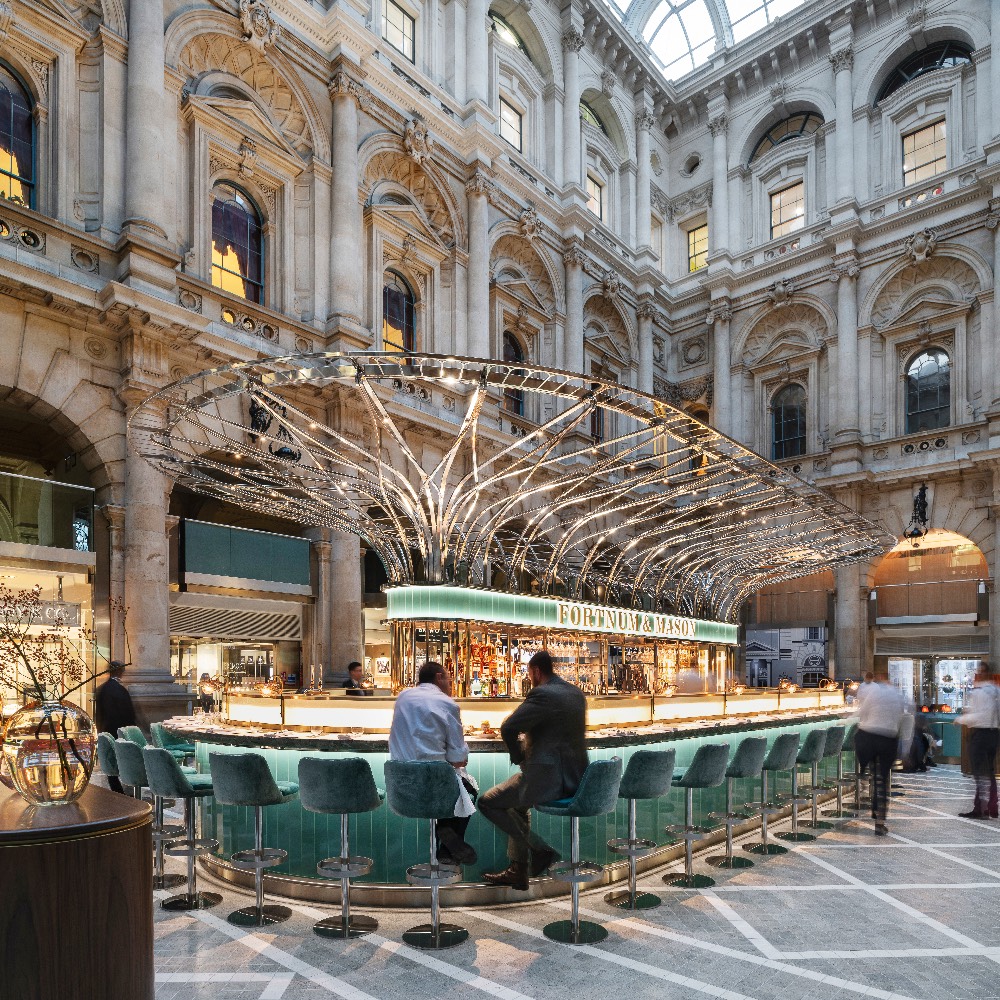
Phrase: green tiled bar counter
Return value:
(395, 843)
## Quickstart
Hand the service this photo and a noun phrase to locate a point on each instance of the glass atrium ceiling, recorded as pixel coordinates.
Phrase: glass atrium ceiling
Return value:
(683, 34)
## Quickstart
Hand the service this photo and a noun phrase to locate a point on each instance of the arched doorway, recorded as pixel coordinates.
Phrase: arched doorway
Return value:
(930, 611)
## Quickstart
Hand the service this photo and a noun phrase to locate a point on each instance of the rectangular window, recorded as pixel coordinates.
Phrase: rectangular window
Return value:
(397, 28)
(788, 210)
(597, 419)
(697, 248)
(511, 125)
(924, 154)
(595, 197)
(656, 241)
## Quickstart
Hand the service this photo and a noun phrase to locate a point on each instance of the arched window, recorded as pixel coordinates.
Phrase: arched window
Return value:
(791, 128)
(398, 310)
(237, 244)
(17, 142)
(928, 391)
(938, 56)
(506, 33)
(590, 116)
(788, 422)
(513, 353)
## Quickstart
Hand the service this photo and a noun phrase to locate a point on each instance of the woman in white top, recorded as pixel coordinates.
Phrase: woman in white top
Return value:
(982, 715)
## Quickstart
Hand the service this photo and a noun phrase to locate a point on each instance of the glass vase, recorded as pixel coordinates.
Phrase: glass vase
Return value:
(48, 750)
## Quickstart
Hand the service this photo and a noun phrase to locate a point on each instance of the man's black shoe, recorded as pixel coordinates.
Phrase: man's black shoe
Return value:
(515, 875)
(461, 852)
(974, 814)
(540, 861)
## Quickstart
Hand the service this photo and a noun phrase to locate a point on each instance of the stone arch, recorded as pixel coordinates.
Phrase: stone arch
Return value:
(611, 117)
(200, 43)
(536, 37)
(783, 331)
(382, 159)
(532, 264)
(952, 275)
(90, 13)
(803, 100)
(614, 333)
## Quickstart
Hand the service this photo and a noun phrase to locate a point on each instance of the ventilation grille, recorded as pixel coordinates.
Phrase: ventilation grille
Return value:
(226, 624)
(932, 645)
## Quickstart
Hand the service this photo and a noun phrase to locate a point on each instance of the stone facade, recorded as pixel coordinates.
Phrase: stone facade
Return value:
(361, 160)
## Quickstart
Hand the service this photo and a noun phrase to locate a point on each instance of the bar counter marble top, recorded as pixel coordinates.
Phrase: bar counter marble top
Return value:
(199, 729)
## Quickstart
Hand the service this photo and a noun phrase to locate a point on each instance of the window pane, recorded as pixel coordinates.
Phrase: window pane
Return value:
(17, 138)
(595, 201)
(924, 153)
(787, 210)
(397, 28)
(928, 391)
(788, 422)
(510, 125)
(398, 307)
(697, 248)
(237, 244)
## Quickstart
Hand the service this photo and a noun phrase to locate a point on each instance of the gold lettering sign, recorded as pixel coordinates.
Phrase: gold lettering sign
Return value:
(621, 620)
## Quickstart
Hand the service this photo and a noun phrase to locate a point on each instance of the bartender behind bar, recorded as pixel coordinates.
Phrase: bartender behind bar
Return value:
(355, 676)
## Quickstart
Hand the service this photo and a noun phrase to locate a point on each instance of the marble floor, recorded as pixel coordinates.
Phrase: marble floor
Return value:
(912, 915)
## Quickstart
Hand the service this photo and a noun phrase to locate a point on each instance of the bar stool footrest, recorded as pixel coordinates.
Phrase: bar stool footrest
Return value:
(185, 848)
(171, 831)
(633, 848)
(353, 867)
(266, 857)
(428, 875)
(578, 871)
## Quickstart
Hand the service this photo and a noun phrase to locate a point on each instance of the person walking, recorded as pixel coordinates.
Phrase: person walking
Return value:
(113, 709)
(981, 716)
(879, 717)
(427, 725)
(545, 736)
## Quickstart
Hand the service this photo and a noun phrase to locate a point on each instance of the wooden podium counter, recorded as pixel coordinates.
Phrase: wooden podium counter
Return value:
(76, 903)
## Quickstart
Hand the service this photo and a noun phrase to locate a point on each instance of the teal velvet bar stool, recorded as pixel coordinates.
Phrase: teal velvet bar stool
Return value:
(244, 779)
(135, 734)
(106, 755)
(339, 786)
(707, 770)
(854, 778)
(161, 738)
(809, 755)
(427, 789)
(167, 779)
(832, 748)
(597, 795)
(747, 762)
(132, 771)
(647, 776)
(781, 757)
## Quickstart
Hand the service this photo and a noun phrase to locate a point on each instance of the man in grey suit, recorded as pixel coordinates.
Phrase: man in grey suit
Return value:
(546, 737)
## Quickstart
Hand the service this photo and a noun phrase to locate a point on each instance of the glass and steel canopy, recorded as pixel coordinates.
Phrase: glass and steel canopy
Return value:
(662, 513)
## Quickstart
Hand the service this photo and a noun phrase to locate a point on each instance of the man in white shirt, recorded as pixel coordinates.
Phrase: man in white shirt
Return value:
(427, 725)
(879, 717)
(982, 715)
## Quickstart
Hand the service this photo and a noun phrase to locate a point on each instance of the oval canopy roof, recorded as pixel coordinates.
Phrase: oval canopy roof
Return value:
(603, 494)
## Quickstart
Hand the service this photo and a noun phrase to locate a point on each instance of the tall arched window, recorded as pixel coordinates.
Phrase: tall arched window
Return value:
(513, 353)
(398, 310)
(941, 55)
(17, 142)
(788, 422)
(237, 244)
(928, 391)
(801, 124)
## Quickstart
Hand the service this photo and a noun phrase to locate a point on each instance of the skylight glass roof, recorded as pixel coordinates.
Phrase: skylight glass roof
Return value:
(683, 34)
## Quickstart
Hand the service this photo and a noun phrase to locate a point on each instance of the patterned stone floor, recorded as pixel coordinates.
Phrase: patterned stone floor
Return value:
(912, 915)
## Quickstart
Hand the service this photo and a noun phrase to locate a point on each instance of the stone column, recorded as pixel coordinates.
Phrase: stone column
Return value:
(346, 641)
(346, 257)
(850, 623)
(847, 428)
(324, 604)
(115, 516)
(646, 313)
(573, 338)
(719, 318)
(991, 343)
(718, 233)
(145, 108)
(572, 41)
(478, 289)
(994, 76)
(476, 53)
(644, 121)
(843, 65)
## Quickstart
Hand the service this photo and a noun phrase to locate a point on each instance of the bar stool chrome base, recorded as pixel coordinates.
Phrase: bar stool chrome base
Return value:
(264, 916)
(695, 881)
(425, 936)
(768, 849)
(168, 881)
(721, 861)
(197, 901)
(634, 847)
(625, 899)
(357, 926)
(583, 932)
(796, 836)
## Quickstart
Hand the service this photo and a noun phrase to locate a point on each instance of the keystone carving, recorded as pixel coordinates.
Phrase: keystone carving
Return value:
(259, 27)
(612, 285)
(248, 157)
(920, 246)
(780, 293)
(6, 18)
(417, 140)
(529, 223)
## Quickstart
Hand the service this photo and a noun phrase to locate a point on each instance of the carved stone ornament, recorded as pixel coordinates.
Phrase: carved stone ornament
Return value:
(574, 256)
(572, 40)
(259, 26)
(644, 120)
(417, 140)
(721, 312)
(842, 60)
(480, 183)
(920, 246)
(612, 285)
(780, 293)
(529, 223)
(658, 350)
(718, 125)
(608, 81)
(6, 18)
(646, 308)
(248, 157)
(694, 350)
(688, 392)
(847, 269)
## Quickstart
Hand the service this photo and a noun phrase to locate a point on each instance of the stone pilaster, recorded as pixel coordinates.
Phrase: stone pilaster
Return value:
(478, 192)
(572, 41)
(346, 615)
(324, 604)
(718, 125)
(573, 339)
(345, 222)
(719, 318)
(847, 427)
(646, 313)
(843, 66)
(476, 53)
(644, 121)
(115, 516)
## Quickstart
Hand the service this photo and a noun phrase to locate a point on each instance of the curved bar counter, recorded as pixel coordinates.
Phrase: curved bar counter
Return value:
(395, 843)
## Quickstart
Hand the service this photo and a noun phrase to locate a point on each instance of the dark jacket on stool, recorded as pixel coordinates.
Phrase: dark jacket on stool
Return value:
(113, 707)
(553, 754)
